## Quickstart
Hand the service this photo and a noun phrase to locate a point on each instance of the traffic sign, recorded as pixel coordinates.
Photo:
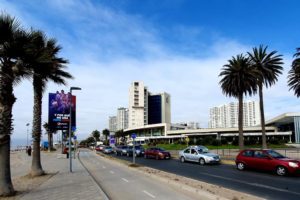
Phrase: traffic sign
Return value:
(133, 135)
(75, 137)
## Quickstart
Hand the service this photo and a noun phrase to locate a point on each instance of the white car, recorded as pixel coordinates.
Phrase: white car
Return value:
(199, 154)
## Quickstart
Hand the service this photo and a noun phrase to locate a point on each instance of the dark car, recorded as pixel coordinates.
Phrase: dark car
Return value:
(139, 151)
(268, 160)
(157, 153)
(121, 150)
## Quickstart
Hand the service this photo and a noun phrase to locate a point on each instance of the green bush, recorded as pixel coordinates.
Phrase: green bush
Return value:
(216, 142)
(235, 142)
(208, 140)
(224, 141)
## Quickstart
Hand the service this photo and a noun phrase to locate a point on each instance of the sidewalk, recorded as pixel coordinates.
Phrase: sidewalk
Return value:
(62, 185)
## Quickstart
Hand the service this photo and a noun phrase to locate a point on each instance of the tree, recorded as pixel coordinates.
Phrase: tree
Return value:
(105, 132)
(269, 66)
(294, 74)
(96, 135)
(238, 79)
(46, 66)
(13, 41)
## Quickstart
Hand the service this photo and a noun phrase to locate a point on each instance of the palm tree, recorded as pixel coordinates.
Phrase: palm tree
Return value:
(294, 74)
(105, 132)
(269, 66)
(46, 66)
(50, 132)
(96, 136)
(238, 79)
(13, 41)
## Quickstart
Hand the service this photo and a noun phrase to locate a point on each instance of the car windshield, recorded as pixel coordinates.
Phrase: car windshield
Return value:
(275, 154)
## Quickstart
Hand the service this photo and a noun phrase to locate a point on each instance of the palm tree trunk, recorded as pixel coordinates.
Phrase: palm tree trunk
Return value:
(262, 117)
(241, 135)
(36, 167)
(7, 100)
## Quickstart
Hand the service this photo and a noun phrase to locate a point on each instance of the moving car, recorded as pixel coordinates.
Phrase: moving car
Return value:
(157, 153)
(199, 154)
(267, 159)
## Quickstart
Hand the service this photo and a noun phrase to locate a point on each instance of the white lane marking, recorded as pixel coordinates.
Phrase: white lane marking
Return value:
(253, 184)
(150, 195)
(103, 167)
(124, 179)
(111, 172)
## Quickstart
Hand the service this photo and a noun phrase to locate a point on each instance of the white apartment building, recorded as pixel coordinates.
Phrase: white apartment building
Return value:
(137, 109)
(122, 118)
(226, 116)
(112, 124)
(146, 108)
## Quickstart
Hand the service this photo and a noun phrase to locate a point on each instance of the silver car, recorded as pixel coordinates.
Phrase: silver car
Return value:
(199, 154)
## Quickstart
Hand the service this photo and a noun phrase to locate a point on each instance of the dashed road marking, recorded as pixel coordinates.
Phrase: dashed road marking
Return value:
(124, 179)
(149, 194)
(103, 167)
(111, 172)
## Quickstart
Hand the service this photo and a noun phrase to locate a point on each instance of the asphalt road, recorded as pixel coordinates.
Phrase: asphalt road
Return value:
(262, 184)
(118, 182)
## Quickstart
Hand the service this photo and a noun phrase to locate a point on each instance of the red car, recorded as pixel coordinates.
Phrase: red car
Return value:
(157, 153)
(268, 160)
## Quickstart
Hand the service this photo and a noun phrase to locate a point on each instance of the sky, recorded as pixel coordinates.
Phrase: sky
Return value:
(174, 46)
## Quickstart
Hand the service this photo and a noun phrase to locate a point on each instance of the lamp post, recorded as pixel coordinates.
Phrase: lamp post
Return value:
(70, 125)
(27, 133)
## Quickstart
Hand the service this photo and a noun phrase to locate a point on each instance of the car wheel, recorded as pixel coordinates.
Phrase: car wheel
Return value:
(182, 159)
(202, 161)
(240, 166)
(281, 171)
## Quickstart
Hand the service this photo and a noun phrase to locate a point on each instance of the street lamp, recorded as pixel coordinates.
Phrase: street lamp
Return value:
(70, 125)
(27, 133)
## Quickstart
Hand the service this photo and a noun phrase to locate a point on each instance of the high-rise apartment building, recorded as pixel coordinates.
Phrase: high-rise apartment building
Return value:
(112, 124)
(122, 118)
(146, 108)
(226, 116)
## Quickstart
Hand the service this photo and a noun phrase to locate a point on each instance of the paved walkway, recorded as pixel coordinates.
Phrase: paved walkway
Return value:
(63, 185)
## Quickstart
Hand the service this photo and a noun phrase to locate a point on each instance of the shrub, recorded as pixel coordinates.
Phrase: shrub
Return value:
(208, 140)
(235, 142)
(216, 142)
(224, 141)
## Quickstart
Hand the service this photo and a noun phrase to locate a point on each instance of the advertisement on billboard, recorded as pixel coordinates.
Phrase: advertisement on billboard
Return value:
(59, 110)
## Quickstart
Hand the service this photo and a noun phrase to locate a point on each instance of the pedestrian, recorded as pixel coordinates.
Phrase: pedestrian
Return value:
(29, 151)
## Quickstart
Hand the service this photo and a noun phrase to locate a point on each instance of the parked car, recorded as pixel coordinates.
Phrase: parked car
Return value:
(107, 150)
(268, 160)
(199, 154)
(121, 150)
(139, 151)
(157, 153)
(100, 147)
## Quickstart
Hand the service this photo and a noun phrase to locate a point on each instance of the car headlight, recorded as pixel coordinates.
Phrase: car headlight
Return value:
(292, 164)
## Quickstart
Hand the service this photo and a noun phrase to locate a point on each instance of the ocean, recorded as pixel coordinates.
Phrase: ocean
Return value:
(16, 143)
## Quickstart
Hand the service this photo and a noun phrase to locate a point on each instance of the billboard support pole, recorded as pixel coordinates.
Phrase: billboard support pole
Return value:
(70, 127)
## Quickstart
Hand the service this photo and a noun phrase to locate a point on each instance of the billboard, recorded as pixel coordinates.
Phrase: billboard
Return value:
(59, 110)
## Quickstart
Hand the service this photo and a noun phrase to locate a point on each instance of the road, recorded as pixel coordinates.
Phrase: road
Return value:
(262, 184)
(118, 182)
